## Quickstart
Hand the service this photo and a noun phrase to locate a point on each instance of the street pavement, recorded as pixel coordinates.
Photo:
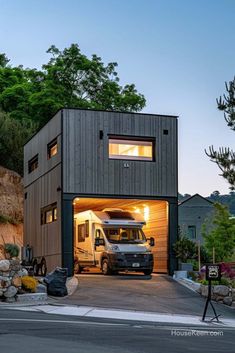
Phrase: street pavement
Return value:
(29, 332)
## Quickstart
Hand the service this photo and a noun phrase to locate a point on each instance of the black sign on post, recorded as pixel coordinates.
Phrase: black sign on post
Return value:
(213, 273)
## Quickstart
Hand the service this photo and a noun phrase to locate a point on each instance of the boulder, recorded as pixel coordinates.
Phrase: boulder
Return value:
(23, 272)
(233, 294)
(4, 265)
(16, 281)
(15, 265)
(10, 300)
(10, 292)
(221, 290)
(228, 301)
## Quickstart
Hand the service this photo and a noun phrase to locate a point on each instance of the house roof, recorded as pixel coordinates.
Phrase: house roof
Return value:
(195, 195)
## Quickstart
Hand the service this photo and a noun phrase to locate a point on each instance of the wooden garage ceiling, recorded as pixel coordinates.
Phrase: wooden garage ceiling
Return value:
(98, 204)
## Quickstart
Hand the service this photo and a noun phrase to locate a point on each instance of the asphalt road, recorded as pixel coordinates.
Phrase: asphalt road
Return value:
(157, 293)
(43, 333)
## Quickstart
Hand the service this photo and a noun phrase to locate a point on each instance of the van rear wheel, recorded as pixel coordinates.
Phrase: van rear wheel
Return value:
(105, 268)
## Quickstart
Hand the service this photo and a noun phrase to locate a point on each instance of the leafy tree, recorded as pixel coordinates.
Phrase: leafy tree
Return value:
(225, 157)
(219, 233)
(69, 79)
(13, 135)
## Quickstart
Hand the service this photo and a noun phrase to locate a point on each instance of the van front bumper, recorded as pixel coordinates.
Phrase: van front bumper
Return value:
(131, 262)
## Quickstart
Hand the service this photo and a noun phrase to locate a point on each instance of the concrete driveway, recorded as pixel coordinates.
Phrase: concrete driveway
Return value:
(156, 293)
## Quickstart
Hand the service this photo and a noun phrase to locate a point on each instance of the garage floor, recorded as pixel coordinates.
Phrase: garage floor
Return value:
(157, 293)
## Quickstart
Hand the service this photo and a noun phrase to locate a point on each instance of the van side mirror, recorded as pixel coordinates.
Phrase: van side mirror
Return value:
(99, 241)
(151, 241)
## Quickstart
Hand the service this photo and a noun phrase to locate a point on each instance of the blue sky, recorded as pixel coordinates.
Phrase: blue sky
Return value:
(178, 53)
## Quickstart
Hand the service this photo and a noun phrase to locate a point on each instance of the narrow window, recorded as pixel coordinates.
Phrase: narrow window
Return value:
(49, 216)
(81, 233)
(52, 148)
(131, 148)
(192, 232)
(33, 164)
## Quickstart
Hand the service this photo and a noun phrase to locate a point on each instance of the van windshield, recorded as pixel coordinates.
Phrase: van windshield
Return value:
(125, 235)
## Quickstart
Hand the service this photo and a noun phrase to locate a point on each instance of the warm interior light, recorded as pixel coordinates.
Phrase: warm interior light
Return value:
(137, 210)
(146, 213)
(75, 200)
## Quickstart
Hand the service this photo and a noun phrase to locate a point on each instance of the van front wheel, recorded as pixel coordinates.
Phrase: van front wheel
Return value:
(105, 268)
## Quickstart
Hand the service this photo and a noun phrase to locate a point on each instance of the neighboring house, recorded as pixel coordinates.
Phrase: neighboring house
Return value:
(87, 159)
(192, 213)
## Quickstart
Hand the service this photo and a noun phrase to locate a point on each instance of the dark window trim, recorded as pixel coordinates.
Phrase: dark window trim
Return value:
(50, 145)
(134, 138)
(46, 209)
(33, 164)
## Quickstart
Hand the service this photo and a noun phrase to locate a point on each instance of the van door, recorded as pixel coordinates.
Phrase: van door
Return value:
(84, 249)
(101, 248)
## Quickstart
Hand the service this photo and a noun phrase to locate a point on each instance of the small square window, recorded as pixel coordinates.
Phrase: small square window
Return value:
(52, 148)
(192, 232)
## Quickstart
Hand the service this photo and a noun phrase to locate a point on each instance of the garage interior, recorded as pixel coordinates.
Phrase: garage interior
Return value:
(155, 213)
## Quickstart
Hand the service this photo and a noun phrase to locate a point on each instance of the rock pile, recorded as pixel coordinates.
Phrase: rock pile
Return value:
(11, 273)
(219, 293)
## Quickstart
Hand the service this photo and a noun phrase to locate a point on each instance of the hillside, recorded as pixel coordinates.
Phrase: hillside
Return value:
(11, 207)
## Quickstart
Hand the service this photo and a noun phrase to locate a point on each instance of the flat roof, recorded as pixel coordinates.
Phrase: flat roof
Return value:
(99, 110)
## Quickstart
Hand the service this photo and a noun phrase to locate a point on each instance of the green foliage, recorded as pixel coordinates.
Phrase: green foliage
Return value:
(5, 219)
(13, 135)
(31, 97)
(185, 249)
(219, 233)
(12, 249)
(225, 157)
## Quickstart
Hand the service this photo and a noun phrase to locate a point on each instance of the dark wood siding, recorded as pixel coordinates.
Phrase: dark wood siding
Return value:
(45, 239)
(88, 169)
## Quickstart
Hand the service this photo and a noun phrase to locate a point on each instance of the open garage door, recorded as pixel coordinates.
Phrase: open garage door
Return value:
(155, 213)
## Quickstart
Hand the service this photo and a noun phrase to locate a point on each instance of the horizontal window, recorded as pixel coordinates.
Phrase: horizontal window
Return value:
(49, 214)
(33, 164)
(125, 148)
(52, 148)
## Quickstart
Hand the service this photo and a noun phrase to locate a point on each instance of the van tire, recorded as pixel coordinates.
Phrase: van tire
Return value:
(105, 268)
(147, 272)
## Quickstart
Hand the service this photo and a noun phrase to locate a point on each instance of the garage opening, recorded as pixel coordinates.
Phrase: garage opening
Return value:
(154, 213)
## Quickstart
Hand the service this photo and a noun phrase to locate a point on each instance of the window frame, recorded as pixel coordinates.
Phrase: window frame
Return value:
(133, 138)
(50, 208)
(33, 164)
(192, 229)
(50, 145)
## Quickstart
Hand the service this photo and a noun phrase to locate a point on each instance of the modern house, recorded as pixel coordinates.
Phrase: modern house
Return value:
(87, 159)
(193, 212)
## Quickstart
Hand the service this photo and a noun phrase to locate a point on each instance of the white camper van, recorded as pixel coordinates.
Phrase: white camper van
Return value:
(112, 240)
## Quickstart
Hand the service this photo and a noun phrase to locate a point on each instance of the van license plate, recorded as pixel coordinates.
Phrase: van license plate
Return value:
(136, 264)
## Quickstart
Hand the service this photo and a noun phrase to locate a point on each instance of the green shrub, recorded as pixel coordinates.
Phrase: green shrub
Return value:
(11, 250)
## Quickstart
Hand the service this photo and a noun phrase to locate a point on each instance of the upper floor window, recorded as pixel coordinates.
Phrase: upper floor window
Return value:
(33, 164)
(52, 148)
(122, 147)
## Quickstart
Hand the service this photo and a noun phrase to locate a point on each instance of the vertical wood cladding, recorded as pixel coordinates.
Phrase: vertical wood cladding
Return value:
(157, 227)
(87, 168)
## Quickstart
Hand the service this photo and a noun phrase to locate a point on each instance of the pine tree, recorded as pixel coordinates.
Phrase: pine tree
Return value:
(225, 157)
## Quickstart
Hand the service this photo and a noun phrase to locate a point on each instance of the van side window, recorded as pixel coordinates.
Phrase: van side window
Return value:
(81, 233)
(98, 234)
